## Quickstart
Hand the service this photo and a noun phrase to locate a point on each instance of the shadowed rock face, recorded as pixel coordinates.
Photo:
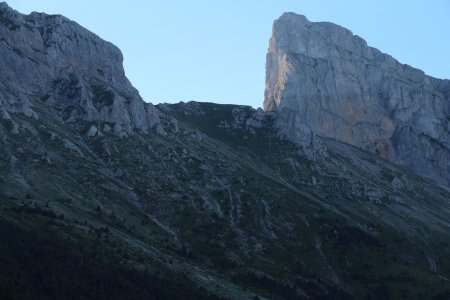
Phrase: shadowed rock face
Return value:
(53, 61)
(325, 78)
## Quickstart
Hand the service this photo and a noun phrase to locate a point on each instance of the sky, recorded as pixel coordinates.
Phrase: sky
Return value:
(214, 51)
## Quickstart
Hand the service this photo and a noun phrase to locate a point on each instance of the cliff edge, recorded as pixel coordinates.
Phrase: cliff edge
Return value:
(322, 77)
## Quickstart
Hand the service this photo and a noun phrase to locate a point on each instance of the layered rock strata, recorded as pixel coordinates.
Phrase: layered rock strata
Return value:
(51, 60)
(321, 77)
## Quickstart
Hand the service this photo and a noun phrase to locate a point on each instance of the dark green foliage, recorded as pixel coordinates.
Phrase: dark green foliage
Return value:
(36, 209)
(264, 283)
(237, 211)
(40, 266)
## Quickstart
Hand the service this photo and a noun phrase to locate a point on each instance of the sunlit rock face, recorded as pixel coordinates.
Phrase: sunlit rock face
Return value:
(327, 79)
(52, 61)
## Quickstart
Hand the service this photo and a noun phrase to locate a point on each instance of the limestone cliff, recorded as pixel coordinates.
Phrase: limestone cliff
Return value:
(52, 61)
(321, 76)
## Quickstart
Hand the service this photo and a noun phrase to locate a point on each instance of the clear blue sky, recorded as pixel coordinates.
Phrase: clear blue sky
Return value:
(206, 50)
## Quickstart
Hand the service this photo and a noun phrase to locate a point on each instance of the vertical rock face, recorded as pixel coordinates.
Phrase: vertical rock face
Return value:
(323, 77)
(54, 61)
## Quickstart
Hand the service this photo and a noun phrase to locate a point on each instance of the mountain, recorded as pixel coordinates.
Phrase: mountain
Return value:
(104, 196)
(70, 69)
(322, 77)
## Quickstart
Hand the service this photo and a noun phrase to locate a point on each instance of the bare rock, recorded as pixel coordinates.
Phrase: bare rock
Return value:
(55, 62)
(321, 76)
(92, 131)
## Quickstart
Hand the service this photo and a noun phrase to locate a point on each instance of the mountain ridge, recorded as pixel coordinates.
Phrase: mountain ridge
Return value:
(210, 196)
(364, 42)
(328, 80)
(72, 69)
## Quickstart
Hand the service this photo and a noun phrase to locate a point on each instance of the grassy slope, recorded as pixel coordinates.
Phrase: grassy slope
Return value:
(39, 264)
(374, 247)
(237, 213)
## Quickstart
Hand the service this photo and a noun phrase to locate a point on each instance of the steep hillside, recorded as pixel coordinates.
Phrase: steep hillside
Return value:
(227, 203)
(198, 200)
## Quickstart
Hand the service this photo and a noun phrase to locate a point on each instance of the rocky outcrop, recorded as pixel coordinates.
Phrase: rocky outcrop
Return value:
(322, 77)
(53, 61)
